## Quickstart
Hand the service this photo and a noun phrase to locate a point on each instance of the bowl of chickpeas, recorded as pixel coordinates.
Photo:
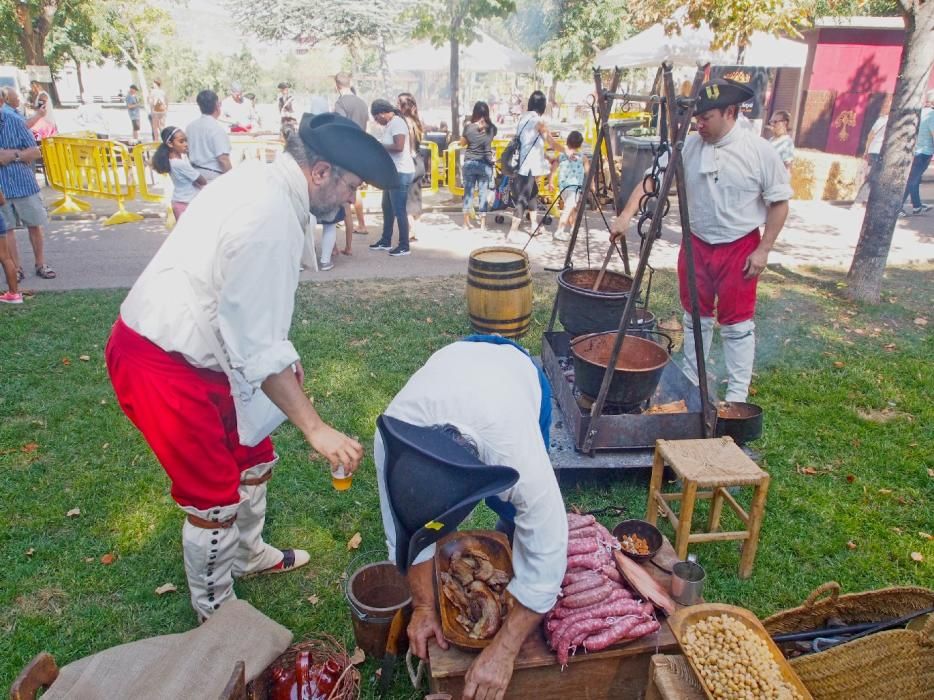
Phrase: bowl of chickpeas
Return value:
(733, 656)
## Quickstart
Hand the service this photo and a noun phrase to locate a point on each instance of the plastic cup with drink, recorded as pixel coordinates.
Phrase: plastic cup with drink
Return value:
(341, 479)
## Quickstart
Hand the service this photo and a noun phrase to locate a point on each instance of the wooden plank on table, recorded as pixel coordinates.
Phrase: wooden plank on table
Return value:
(609, 679)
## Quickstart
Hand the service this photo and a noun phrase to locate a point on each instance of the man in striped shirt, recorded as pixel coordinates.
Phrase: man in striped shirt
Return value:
(18, 183)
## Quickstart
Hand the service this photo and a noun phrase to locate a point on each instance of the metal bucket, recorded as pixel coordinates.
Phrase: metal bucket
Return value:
(741, 421)
(375, 593)
(643, 324)
(582, 310)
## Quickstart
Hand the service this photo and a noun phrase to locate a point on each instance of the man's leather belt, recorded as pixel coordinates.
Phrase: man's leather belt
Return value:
(211, 524)
(257, 480)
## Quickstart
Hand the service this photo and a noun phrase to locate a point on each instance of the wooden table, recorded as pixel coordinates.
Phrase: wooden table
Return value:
(619, 672)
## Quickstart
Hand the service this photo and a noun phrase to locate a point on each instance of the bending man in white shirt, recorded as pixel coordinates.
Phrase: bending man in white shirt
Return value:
(735, 182)
(210, 317)
(473, 405)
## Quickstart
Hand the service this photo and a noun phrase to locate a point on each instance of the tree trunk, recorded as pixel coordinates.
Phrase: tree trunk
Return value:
(887, 186)
(143, 85)
(552, 95)
(79, 75)
(455, 88)
(32, 40)
(384, 65)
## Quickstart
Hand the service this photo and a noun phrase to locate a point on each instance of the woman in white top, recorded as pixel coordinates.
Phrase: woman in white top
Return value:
(533, 132)
(396, 141)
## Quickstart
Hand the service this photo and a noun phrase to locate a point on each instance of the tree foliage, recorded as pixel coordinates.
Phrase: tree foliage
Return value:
(356, 26)
(349, 24)
(38, 32)
(578, 29)
(129, 31)
(454, 22)
(732, 21)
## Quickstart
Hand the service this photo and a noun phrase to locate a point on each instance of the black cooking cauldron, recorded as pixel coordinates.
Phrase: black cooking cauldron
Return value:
(582, 310)
(638, 369)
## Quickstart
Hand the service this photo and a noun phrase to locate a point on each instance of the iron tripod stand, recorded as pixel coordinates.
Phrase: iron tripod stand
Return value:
(674, 120)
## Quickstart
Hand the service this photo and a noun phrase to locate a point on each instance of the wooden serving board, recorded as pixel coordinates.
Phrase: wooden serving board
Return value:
(617, 673)
(686, 617)
(496, 546)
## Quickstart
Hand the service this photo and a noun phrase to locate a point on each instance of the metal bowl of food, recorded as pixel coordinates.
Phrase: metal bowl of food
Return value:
(741, 421)
(638, 539)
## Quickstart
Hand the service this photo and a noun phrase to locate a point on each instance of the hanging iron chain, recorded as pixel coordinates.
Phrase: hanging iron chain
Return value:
(651, 185)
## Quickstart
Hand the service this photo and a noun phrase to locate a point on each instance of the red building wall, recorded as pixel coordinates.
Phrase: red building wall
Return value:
(853, 74)
(848, 60)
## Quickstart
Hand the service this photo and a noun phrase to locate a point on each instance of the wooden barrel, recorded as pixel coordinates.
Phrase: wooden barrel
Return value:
(499, 291)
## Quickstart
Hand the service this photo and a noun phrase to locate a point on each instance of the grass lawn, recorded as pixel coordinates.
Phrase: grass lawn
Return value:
(849, 442)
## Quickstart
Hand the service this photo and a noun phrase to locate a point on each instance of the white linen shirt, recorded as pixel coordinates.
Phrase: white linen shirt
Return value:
(731, 183)
(240, 242)
(491, 393)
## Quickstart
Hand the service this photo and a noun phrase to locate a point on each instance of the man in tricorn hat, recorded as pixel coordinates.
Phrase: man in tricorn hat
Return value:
(210, 316)
(472, 424)
(735, 183)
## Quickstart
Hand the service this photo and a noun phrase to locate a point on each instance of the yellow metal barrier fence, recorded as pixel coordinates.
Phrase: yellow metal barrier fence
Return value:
(436, 172)
(90, 167)
(547, 184)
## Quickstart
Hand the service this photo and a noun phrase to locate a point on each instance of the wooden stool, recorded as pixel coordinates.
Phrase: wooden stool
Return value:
(714, 464)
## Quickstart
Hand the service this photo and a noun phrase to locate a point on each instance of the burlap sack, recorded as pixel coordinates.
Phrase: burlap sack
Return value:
(195, 664)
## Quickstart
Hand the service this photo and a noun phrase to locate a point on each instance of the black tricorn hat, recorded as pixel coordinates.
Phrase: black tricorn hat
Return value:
(341, 142)
(432, 484)
(721, 92)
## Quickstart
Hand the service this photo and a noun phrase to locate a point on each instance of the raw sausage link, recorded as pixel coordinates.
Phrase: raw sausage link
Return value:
(561, 611)
(611, 634)
(604, 536)
(589, 597)
(588, 531)
(576, 521)
(619, 633)
(584, 545)
(571, 628)
(617, 608)
(612, 573)
(574, 576)
(592, 561)
(584, 584)
(561, 641)
(643, 629)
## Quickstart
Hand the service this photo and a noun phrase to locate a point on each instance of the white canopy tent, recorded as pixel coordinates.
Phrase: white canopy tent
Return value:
(692, 46)
(482, 56)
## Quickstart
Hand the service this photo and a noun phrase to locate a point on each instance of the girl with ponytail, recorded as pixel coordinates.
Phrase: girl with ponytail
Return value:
(171, 158)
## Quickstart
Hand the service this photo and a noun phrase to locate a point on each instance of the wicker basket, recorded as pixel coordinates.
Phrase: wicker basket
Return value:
(320, 650)
(896, 664)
